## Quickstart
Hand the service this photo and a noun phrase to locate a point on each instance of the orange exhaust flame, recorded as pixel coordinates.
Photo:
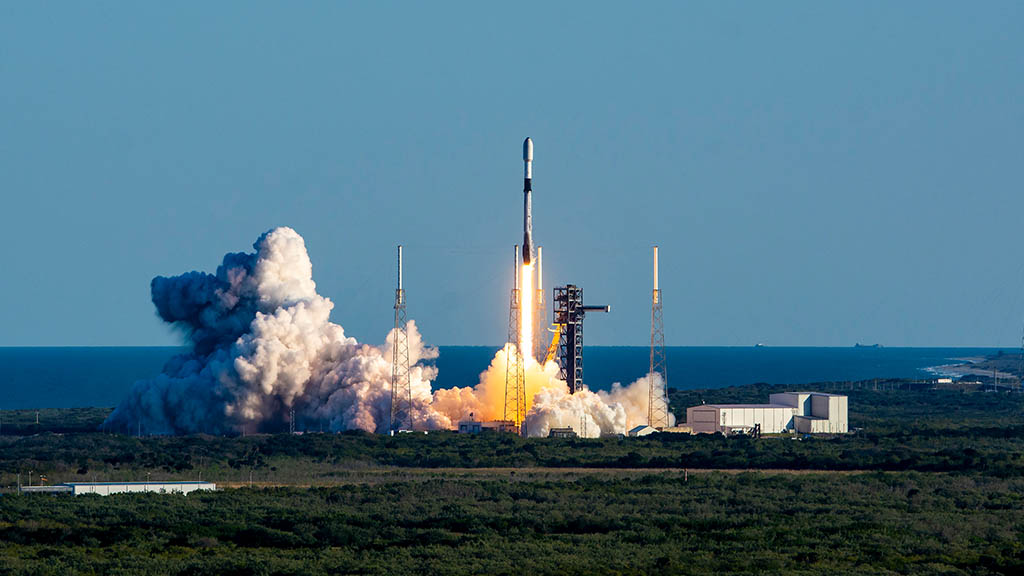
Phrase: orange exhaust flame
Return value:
(526, 314)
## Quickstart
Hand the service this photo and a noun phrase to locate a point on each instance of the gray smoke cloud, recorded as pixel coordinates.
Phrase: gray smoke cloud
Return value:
(261, 345)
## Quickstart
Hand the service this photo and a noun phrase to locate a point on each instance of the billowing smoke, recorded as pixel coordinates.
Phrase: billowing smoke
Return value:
(549, 404)
(262, 347)
(593, 414)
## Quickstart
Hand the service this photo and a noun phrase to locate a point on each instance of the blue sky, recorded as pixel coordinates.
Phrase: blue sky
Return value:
(815, 173)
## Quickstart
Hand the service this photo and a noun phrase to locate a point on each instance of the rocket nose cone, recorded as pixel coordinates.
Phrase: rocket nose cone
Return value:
(527, 150)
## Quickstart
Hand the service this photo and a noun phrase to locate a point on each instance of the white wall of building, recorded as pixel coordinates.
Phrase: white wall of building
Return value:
(728, 418)
(799, 400)
(806, 412)
(108, 488)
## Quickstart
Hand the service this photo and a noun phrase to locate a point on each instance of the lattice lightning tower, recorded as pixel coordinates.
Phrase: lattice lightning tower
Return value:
(515, 389)
(401, 389)
(657, 407)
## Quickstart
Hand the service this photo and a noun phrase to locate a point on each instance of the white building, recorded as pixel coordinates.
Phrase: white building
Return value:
(642, 430)
(108, 488)
(804, 412)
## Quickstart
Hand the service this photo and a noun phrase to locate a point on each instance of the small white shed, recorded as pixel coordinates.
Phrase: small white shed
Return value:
(642, 430)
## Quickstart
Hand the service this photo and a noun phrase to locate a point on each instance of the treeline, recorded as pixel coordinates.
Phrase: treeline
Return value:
(56, 420)
(749, 523)
(900, 430)
(319, 457)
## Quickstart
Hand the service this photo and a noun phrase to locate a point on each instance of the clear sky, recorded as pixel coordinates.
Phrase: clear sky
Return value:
(815, 173)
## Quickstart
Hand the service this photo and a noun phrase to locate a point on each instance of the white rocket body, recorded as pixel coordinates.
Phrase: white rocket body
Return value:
(527, 201)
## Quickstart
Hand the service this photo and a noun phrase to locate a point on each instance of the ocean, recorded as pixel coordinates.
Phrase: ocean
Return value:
(70, 377)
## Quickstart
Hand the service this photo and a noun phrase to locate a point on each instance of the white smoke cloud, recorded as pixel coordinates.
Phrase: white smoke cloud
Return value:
(262, 344)
(583, 411)
(635, 399)
(593, 414)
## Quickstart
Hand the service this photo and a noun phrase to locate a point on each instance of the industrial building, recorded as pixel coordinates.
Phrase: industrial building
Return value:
(803, 412)
(476, 427)
(108, 488)
(566, 432)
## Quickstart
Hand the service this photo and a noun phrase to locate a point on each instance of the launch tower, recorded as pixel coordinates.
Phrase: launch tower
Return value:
(568, 316)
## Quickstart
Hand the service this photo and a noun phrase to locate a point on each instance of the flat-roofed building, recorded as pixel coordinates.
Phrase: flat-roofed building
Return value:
(732, 418)
(806, 412)
(108, 488)
(476, 427)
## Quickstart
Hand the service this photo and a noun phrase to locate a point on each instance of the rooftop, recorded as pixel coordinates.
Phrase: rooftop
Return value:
(774, 406)
(151, 483)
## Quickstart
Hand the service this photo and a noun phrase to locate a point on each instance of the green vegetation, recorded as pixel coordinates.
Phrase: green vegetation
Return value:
(56, 420)
(931, 483)
(750, 523)
(927, 431)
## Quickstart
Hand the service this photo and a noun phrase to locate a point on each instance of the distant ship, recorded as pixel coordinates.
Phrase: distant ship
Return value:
(760, 345)
(859, 345)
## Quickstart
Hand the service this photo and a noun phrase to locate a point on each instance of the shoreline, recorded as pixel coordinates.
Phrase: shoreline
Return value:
(966, 367)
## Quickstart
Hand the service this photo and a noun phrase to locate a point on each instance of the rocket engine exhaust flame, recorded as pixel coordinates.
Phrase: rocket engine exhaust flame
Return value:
(526, 314)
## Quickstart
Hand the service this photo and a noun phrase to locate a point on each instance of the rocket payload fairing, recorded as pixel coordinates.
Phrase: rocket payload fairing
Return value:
(527, 201)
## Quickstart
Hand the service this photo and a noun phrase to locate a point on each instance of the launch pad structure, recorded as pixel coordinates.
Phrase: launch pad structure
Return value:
(568, 315)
